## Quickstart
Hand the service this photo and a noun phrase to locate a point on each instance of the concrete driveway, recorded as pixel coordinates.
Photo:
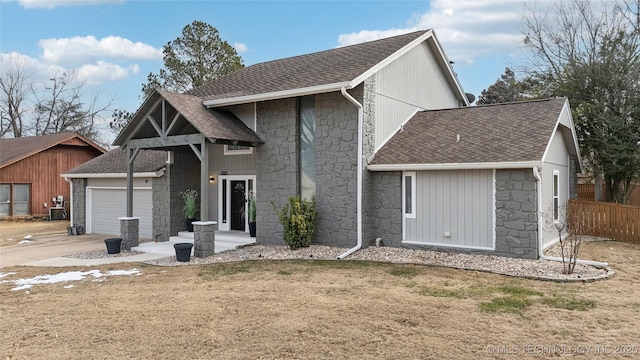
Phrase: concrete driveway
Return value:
(50, 246)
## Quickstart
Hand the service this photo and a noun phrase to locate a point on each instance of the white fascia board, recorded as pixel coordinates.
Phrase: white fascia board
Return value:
(112, 175)
(452, 75)
(277, 95)
(565, 112)
(455, 166)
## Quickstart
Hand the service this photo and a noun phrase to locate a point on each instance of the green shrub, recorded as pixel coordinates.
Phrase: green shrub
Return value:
(298, 219)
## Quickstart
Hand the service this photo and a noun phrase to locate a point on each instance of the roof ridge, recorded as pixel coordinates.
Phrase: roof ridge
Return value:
(339, 47)
(497, 104)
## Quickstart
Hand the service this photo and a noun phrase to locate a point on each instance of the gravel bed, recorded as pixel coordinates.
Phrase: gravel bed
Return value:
(535, 269)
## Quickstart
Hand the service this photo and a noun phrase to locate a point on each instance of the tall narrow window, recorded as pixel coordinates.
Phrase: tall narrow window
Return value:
(556, 195)
(409, 194)
(224, 201)
(307, 129)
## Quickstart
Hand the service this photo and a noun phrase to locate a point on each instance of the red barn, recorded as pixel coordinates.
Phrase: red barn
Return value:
(30, 169)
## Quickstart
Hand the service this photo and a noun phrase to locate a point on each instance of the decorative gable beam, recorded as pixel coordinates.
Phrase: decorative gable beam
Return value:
(169, 141)
(196, 151)
(173, 123)
(141, 123)
(155, 125)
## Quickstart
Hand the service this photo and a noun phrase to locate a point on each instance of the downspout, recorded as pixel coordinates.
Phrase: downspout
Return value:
(359, 178)
(536, 174)
(70, 200)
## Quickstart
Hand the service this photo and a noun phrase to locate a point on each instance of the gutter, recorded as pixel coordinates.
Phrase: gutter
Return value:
(158, 173)
(358, 246)
(277, 94)
(536, 174)
(454, 166)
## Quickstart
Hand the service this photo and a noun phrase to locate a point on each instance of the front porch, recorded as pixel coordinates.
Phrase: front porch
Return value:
(224, 241)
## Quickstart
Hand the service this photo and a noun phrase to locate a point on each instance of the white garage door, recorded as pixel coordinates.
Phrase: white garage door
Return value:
(106, 205)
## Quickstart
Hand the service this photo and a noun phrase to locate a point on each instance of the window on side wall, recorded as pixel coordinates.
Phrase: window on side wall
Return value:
(556, 194)
(409, 194)
(237, 150)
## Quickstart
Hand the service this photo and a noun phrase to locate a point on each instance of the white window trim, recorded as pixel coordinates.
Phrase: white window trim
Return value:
(237, 152)
(555, 204)
(412, 214)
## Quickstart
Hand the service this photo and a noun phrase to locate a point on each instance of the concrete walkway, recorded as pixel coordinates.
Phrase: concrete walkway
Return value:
(51, 250)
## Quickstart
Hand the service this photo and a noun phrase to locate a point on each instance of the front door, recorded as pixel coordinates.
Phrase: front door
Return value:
(233, 195)
(238, 197)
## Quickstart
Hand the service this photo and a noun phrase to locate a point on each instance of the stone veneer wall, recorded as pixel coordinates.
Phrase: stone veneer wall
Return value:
(385, 212)
(516, 214)
(336, 165)
(184, 173)
(79, 202)
(276, 165)
(336, 168)
(370, 227)
(161, 206)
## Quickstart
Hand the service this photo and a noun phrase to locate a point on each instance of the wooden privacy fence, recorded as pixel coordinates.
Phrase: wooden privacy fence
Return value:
(608, 220)
(587, 192)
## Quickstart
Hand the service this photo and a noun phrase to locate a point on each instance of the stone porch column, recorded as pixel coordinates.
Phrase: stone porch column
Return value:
(204, 238)
(129, 229)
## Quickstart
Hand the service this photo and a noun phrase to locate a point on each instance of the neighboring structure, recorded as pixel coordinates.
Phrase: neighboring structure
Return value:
(99, 189)
(30, 169)
(330, 125)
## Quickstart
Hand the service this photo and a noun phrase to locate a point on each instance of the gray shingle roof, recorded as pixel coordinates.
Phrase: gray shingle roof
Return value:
(115, 162)
(320, 68)
(514, 132)
(211, 123)
(15, 149)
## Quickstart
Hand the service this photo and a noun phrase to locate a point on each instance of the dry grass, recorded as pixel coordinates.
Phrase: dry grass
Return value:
(321, 309)
(11, 232)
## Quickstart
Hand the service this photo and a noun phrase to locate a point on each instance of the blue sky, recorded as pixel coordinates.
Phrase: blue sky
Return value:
(114, 44)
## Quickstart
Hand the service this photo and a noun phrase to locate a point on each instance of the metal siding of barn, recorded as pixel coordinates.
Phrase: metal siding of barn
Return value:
(460, 202)
(418, 81)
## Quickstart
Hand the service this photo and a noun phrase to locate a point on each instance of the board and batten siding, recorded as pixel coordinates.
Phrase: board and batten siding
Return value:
(454, 209)
(414, 81)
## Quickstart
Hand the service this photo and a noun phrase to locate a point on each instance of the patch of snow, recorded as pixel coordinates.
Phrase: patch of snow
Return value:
(69, 286)
(27, 237)
(22, 284)
(6, 274)
(25, 241)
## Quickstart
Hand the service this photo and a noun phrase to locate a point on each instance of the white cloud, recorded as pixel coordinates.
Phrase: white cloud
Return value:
(240, 47)
(39, 72)
(50, 4)
(466, 29)
(103, 71)
(79, 49)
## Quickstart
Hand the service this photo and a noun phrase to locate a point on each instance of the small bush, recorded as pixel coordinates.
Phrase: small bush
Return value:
(298, 219)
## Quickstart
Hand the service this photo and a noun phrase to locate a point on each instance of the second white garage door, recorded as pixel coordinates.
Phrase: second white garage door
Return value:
(106, 205)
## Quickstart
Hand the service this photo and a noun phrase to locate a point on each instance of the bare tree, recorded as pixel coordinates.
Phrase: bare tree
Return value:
(15, 87)
(59, 106)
